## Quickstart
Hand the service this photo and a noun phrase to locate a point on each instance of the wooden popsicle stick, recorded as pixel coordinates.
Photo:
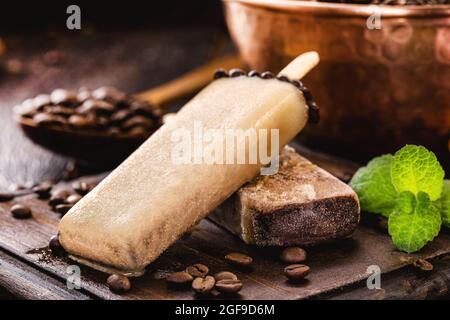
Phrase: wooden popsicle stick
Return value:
(189, 83)
(301, 65)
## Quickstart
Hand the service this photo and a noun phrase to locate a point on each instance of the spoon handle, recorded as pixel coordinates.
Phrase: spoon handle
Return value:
(190, 82)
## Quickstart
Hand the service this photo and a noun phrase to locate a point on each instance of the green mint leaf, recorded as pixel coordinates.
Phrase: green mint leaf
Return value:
(374, 187)
(416, 169)
(445, 204)
(414, 222)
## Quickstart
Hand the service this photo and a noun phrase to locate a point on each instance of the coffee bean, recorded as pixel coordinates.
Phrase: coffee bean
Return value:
(44, 118)
(283, 78)
(108, 93)
(59, 110)
(118, 283)
(58, 197)
(55, 246)
(139, 107)
(77, 120)
(236, 73)
(225, 275)
(73, 199)
(20, 211)
(228, 286)
(114, 131)
(293, 255)
(267, 75)
(97, 106)
(6, 196)
(197, 270)
(83, 95)
(63, 208)
(253, 73)
(137, 121)
(179, 278)
(221, 73)
(120, 116)
(239, 259)
(423, 265)
(138, 132)
(62, 96)
(40, 101)
(296, 271)
(43, 189)
(203, 285)
(82, 188)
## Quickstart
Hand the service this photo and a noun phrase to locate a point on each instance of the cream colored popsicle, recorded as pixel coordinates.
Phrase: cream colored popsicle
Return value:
(148, 202)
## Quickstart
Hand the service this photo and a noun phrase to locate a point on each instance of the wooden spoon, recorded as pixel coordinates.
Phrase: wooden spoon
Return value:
(105, 150)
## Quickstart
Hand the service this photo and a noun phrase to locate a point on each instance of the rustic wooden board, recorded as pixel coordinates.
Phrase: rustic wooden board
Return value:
(334, 266)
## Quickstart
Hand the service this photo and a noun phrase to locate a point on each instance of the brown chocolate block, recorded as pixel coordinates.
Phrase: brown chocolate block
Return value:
(300, 205)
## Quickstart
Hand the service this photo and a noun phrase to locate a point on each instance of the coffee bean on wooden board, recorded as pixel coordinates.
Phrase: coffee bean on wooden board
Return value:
(20, 211)
(203, 285)
(239, 259)
(228, 286)
(63, 208)
(118, 283)
(6, 196)
(55, 246)
(179, 278)
(197, 270)
(293, 255)
(43, 189)
(81, 187)
(296, 272)
(225, 275)
(58, 197)
(423, 265)
(73, 199)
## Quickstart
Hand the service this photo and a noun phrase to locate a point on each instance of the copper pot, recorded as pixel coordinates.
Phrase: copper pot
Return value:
(378, 89)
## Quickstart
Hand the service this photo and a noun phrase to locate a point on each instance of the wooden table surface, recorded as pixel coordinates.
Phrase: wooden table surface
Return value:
(41, 62)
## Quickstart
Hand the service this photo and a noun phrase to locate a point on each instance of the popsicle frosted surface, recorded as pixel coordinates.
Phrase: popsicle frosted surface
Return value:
(148, 202)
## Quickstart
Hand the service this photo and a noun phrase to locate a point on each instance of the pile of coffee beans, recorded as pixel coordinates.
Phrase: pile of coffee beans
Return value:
(104, 110)
(197, 277)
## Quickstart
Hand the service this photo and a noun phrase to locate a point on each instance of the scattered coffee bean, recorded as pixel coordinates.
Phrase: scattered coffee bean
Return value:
(228, 286)
(239, 259)
(203, 285)
(63, 208)
(225, 275)
(6, 196)
(58, 197)
(19, 211)
(296, 271)
(43, 189)
(423, 265)
(197, 270)
(254, 73)
(40, 101)
(55, 246)
(293, 255)
(120, 116)
(118, 283)
(73, 199)
(81, 187)
(59, 110)
(179, 278)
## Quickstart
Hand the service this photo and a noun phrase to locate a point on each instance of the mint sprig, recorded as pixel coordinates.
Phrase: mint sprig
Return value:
(414, 222)
(408, 188)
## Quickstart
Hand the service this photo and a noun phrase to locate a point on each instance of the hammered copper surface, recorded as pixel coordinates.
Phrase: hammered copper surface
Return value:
(377, 89)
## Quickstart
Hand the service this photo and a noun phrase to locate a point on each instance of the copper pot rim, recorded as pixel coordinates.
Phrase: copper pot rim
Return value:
(346, 9)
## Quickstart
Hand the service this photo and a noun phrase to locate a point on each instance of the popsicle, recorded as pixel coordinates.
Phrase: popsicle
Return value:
(150, 200)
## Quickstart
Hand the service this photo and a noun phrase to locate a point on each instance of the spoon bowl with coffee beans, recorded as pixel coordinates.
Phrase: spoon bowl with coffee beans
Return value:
(105, 125)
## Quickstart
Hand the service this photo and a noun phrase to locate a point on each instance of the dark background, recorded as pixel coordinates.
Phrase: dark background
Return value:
(20, 15)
